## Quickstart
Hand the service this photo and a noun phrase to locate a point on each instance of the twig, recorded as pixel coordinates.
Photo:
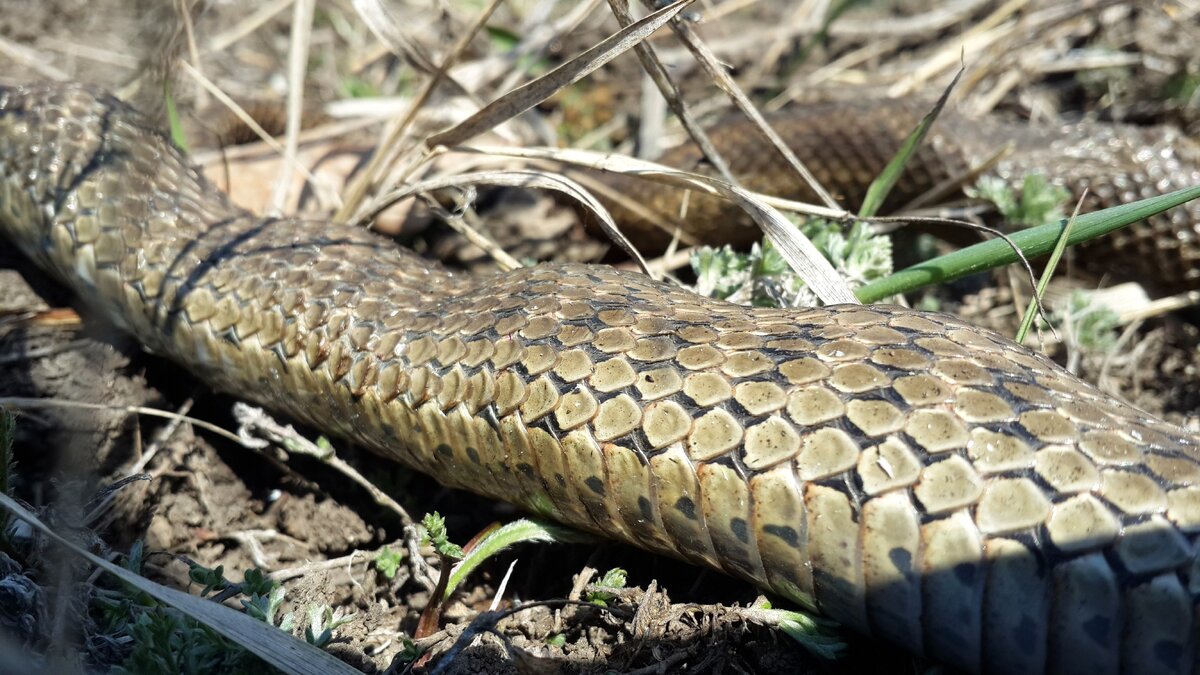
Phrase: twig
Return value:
(31, 59)
(245, 118)
(369, 179)
(253, 420)
(246, 26)
(721, 78)
(302, 18)
(25, 402)
(658, 74)
(42, 352)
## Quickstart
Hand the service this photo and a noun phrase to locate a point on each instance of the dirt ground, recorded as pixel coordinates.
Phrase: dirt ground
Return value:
(213, 502)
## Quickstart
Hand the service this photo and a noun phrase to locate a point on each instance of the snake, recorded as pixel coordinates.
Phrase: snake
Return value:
(850, 142)
(914, 477)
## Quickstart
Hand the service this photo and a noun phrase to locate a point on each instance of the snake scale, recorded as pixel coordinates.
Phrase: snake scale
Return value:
(847, 143)
(915, 477)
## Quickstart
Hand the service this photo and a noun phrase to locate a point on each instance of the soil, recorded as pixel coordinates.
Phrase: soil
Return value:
(214, 503)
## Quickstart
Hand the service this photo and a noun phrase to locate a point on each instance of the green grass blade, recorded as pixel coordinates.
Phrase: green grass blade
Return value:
(1034, 304)
(525, 529)
(277, 648)
(1033, 242)
(174, 121)
(882, 185)
(809, 634)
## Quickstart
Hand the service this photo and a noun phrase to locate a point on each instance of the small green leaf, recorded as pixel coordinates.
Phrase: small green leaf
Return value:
(614, 578)
(357, 87)
(502, 39)
(1039, 201)
(275, 601)
(322, 621)
(556, 640)
(409, 653)
(523, 530)
(809, 634)
(213, 580)
(882, 185)
(435, 535)
(388, 562)
(174, 123)
(1095, 326)
(258, 607)
(256, 583)
(133, 561)
(1182, 86)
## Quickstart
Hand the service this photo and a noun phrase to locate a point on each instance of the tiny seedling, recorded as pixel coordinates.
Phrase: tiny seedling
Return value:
(213, 579)
(458, 563)
(763, 278)
(388, 562)
(322, 621)
(437, 537)
(1038, 202)
(556, 640)
(163, 639)
(614, 578)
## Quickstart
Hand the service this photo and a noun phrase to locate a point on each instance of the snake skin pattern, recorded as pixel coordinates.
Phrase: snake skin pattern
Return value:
(917, 478)
(847, 144)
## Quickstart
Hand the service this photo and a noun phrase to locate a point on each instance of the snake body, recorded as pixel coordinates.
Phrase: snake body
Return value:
(906, 473)
(848, 143)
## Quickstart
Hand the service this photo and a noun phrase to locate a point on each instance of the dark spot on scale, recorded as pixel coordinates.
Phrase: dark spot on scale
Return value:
(902, 559)
(473, 454)
(1170, 654)
(527, 469)
(595, 484)
(1025, 633)
(489, 416)
(687, 507)
(965, 573)
(787, 534)
(444, 450)
(738, 525)
(646, 508)
(1097, 628)
(562, 482)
